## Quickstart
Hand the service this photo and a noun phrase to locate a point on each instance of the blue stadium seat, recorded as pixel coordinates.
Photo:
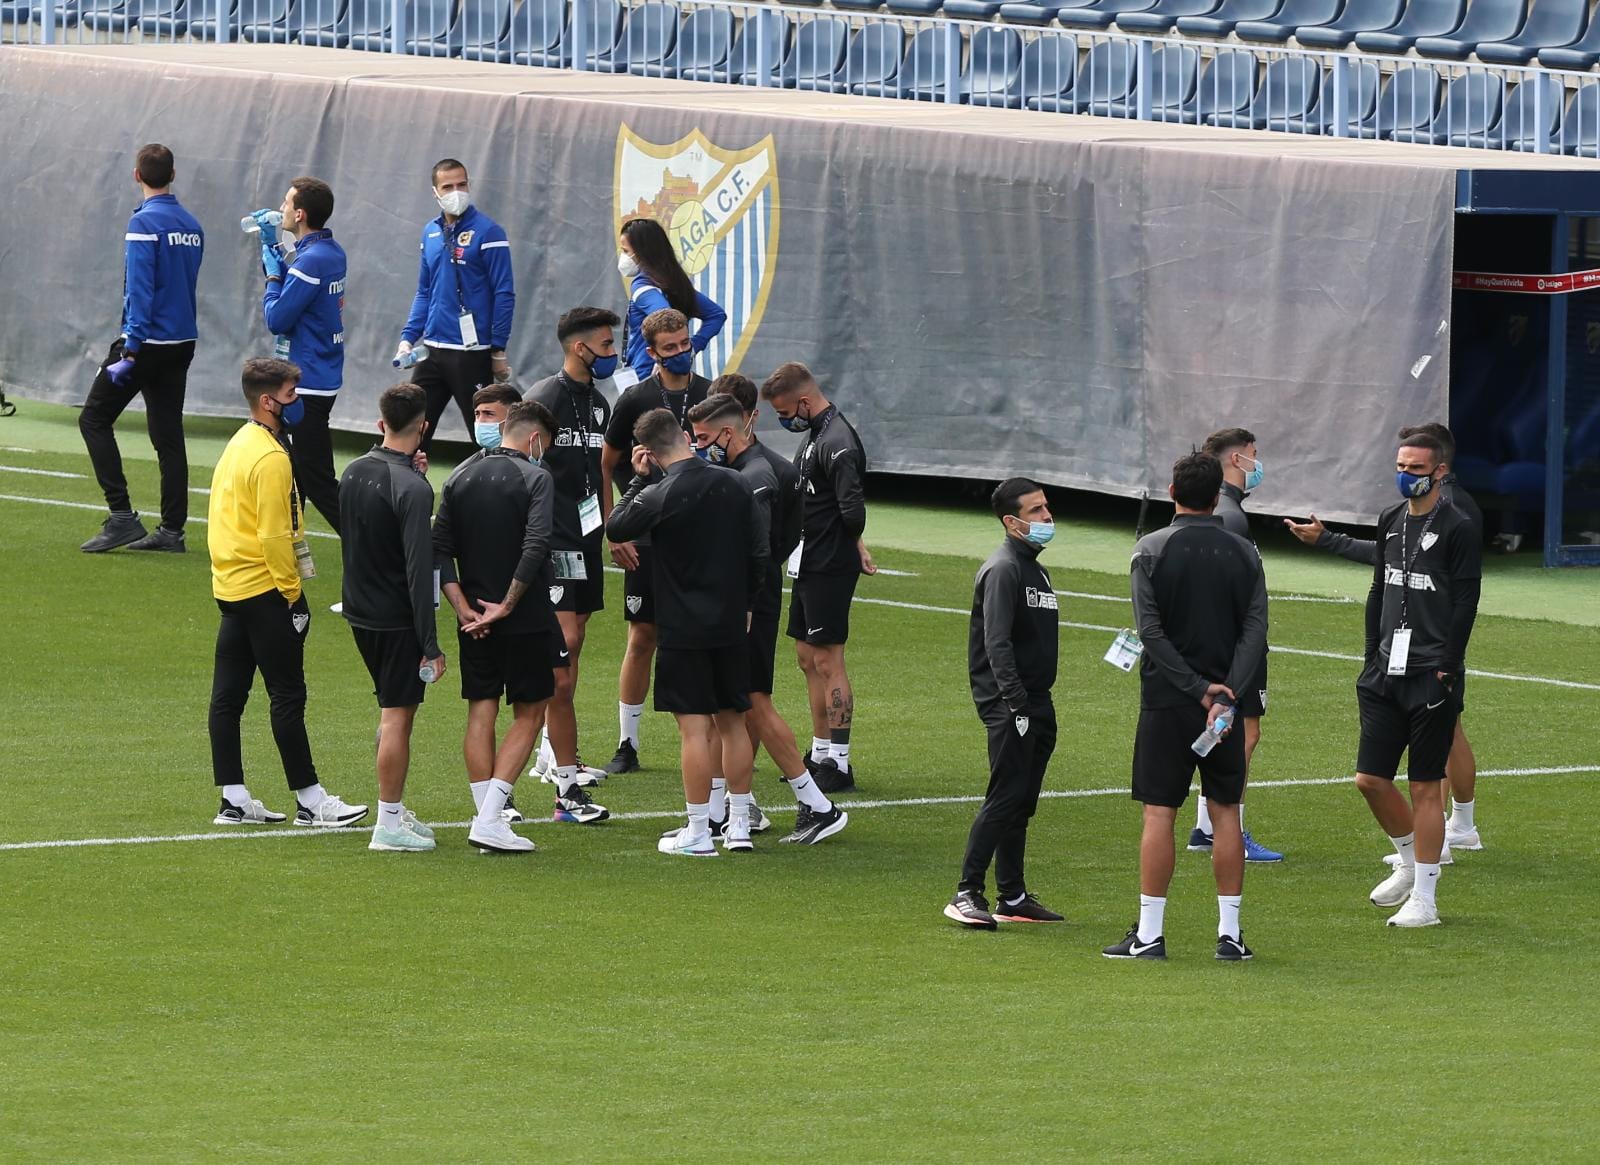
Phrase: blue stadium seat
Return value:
(1519, 130)
(108, 15)
(1173, 69)
(1226, 89)
(922, 70)
(1106, 78)
(1580, 54)
(914, 7)
(163, 19)
(818, 54)
(327, 22)
(649, 32)
(1408, 102)
(1287, 96)
(1045, 78)
(369, 25)
(26, 11)
(478, 32)
(1361, 85)
(1101, 13)
(1228, 14)
(204, 22)
(1580, 126)
(1422, 18)
(1029, 11)
(1294, 15)
(427, 25)
(972, 9)
(743, 63)
(702, 48)
(872, 66)
(268, 21)
(615, 58)
(1164, 15)
(1551, 24)
(1487, 21)
(858, 5)
(994, 63)
(1358, 16)
(539, 35)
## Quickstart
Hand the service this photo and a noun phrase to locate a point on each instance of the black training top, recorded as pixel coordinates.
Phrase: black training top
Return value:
(384, 507)
(1366, 549)
(1200, 601)
(1428, 578)
(788, 509)
(763, 482)
(1012, 638)
(832, 464)
(648, 394)
(581, 414)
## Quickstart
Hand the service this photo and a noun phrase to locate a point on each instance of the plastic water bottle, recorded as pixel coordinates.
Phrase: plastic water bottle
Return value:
(1207, 740)
(251, 225)
(416, 356)
(426, 674)
(280, 347)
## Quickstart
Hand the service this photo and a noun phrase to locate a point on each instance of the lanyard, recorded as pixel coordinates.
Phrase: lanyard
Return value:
(812, 438)
(1405, 566)
(450, 259)
(580, 421)
(294, 483)
(666, 400)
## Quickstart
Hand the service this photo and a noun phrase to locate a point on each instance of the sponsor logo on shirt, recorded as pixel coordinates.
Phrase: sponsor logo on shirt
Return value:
(183, 239)
(1044, 599)
(1417, 581)
(569, 437)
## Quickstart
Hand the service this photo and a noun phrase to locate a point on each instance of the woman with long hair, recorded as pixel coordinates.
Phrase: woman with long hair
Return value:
(657, 280)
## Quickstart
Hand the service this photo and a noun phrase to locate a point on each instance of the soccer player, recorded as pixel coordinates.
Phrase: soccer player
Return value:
(711, 559)
(588, 354)
(1200, 601)
(1420, 611)
(1242, 472)
(384, 508)
(1011, 661)
(304, 304)
(1460, 829)
(464, 303)
(832, 558)
(489, 407)
(722, 437)
(162, 249)
(674, 386)
(257, 540)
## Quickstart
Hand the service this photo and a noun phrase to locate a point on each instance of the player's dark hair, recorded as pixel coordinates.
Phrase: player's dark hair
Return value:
(401, 406)
(740, 388)
(1227, 440)
(652, 250)
(659, 323)
(785, 379)
(263, 375)
(315, 197)
(444, 164)
(583, 320)
(658, 431)
(530, 412)
(496, 394)
(1446, 439)
(1196, 481)
(1419, 439)
(1006, 501)
(720, 408)
(155, 165)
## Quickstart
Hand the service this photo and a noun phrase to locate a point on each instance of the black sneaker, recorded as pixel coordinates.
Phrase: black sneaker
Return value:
(625, 761)
(831, 779)
(969, 909)
(511, 815)
(811, 827)
(759, 821)
(717, 827)
(1028, 910)
(1233, 950)
(168, 541)
(1131, 948)
(117, 530)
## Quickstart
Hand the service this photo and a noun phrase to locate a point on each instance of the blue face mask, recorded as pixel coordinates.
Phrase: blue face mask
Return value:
(487, 433)
(714, 453)
(1040, 533)
(1413, 485)
(1252, 480)
(680, 365)
(292, 414)
(603, 367)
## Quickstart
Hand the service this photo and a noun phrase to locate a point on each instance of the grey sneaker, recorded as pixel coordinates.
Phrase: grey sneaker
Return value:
(170, 541)
(117, 530)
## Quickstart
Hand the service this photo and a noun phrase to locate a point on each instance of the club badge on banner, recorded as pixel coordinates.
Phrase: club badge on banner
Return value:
(720, 209)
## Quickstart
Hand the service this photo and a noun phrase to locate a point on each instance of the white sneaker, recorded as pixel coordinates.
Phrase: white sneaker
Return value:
(588, 777)
(405, 839)
(496, 837)
(414, 825)
(683, 844)
(1396, 888)
(759, 821)
(1445, 858)
(736, 836)
(252, 812)
(1416, 913)
(511, 815)
(1466, 839)
(331, 814)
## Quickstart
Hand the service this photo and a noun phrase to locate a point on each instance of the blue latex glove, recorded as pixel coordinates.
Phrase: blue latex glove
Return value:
(272, 260)
(120, 373)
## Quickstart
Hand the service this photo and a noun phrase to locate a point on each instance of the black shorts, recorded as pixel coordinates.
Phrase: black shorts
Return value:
(515, 665)
(702, 681)
(587, 595)
(1164, 760)
(762, 642)
(639, 589)
(1415, 712)
(1253, 700)
(819, 608)
(392, 659)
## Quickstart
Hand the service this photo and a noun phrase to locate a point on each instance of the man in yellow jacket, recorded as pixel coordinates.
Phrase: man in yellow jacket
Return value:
(259, 555)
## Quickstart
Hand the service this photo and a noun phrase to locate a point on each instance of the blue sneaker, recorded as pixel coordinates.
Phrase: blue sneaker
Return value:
(1254, 851)
(1199, 841)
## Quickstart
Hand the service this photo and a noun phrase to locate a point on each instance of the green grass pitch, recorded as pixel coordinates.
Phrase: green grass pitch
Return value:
(299, 998)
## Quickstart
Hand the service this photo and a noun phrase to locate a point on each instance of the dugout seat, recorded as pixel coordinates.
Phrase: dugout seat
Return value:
(1472, 104)
(818, 54)
(1361, 85)
(604, 27)
(164, 19)
(743, 62)
(994, 64)
(268, 21)
(649, 33)
(1108, 74)
(1287, 96)
(1580, 126)
(428, 27)
(1518, 128)
(923, 68)
(1045, 78)
(872, 66)
(478, 32)
(1226, 89)
(1422, 18)
(1487, 21)
(204, 23)
(1408, 102)
(367, 27)
(538, 36)
(1358, 16)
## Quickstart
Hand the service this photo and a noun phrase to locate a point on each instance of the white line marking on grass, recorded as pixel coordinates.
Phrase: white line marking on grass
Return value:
(194, 489)
(1276, 598)
(897, 573)
(102, 509)
(16, 449)
(677, 814)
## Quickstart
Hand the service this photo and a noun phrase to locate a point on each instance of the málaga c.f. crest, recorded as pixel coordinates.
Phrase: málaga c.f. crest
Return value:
(720, 209)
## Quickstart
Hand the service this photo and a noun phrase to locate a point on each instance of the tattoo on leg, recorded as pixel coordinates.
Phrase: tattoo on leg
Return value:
(841, 709)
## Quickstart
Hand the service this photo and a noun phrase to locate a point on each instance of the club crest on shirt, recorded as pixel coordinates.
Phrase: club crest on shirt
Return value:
(1429, 539)
(635, 602)
(556, 593)
(720, 210)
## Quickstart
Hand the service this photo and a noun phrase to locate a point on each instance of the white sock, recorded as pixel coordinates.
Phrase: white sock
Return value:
(1228, 915)
(1406, 847)
(1241, 817)
(628, 717)
(1427, 883)
(1461, 815)
(806, 793)
(699, 820)
(739, 807)
(819, 749)
(389, 814)
(1202, 817)
(495, 795)
(841, 755)
(1152, 916)
(719, 799)
(547, 756)
(566, 778)
(236, 795)
(479, 788)
(311, 796)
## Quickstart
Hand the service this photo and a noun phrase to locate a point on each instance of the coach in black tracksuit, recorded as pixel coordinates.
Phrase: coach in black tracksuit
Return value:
(1011, 659)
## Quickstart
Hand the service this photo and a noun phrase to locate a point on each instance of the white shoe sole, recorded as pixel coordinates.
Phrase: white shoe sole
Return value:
(219, 820)
(844, 820)
(345, 824)
(955, 915)
(744, 846)
(1408, 925)
(1462, 844)
(384, 847)
(490, 848)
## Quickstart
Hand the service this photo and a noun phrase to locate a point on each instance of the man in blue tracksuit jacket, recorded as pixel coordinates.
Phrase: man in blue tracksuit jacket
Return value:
(162, 249)
(304, 304)
(465, 298)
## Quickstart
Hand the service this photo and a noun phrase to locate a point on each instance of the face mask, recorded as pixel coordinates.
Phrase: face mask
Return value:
(1252, 480)
(626, 266)
(796, 423)
(1414, 485)
(601, 367)
(536, 457)
(488, 434)
(291, 414)
(716, 453)
(681, 364)
(455, 203)
(1040, 533)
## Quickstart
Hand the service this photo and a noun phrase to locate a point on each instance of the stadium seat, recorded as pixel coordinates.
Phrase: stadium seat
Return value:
(1580, 54)
(649, 32)
(107, 15)
(427, 26)
(1518, 128)
(1227, 16)
(1287, 95)
(1226, 89)
(743, 61)
(872, 63)
(204, 23)
(1487, 21)
(913, 7)
(1045, 78)
(922, 71)
(1030, 11)
(1173, 69)
(268, 21)
(1422, 18)
(605, 36)
(1551, 24)
(972, 9)
(1294, 15)
(164, 19)
(328, 23)
(818, 53)
(369, 25)
(1164, 15)
(1361, 83)
(1408, 101)
(539, 35)
(858, 5)
(1580, 126)
(702, 48)
(1106, 78)
(994, 63)
(1358, 16)
(478, 32)
(1100, 14)
(67, 12)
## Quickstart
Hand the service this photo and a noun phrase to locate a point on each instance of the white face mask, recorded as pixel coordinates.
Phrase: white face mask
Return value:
(455, 203)
(626, 265)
